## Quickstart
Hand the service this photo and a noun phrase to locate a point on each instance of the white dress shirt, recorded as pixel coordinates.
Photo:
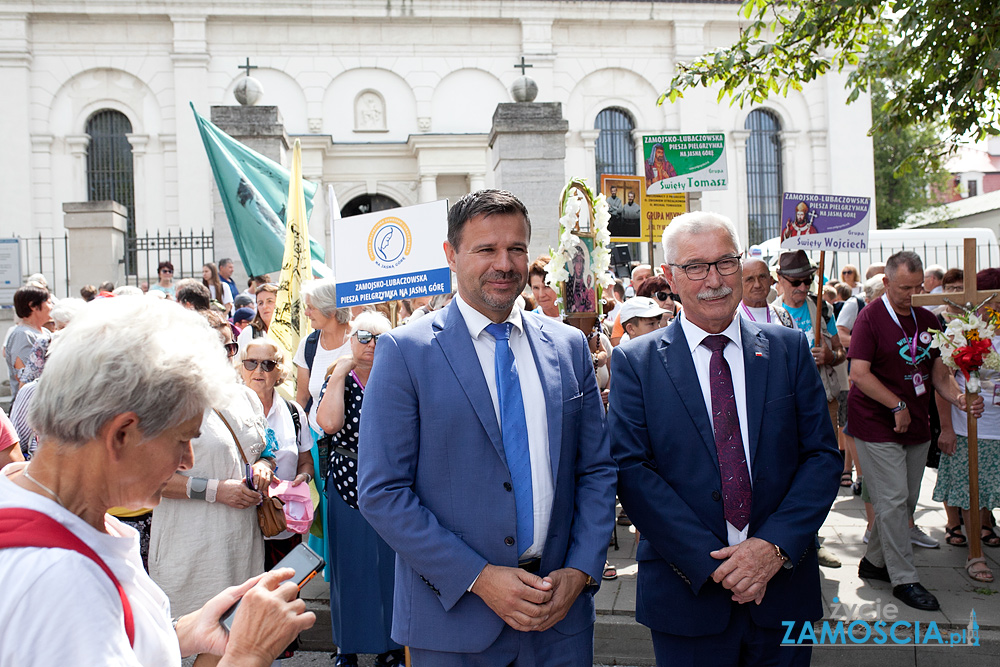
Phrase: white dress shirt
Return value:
(733, 353)
(534, 408)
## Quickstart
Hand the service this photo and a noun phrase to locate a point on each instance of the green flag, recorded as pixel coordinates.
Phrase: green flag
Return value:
(254, 190)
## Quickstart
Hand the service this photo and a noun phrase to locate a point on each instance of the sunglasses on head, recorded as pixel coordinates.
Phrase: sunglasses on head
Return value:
(661, 296)
(796, 283)
(231, 349)
(267, 365)
(365, 337)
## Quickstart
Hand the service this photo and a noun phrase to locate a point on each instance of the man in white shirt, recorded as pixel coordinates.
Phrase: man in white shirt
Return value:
(757, 282)
(485, 463)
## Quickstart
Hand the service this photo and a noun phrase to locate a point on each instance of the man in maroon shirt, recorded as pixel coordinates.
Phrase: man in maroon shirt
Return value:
(895, 372)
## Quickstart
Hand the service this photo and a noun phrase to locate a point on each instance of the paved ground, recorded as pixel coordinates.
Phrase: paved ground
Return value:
(619, 640)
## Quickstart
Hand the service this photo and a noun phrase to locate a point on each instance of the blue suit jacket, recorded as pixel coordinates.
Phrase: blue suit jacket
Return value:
(433, 478)
(669, 481)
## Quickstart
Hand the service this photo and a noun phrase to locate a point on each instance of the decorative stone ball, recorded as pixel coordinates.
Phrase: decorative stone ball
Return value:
(248, 91)
(524, 89)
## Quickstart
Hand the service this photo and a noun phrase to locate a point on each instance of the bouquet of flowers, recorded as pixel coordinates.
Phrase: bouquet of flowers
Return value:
(966, 345)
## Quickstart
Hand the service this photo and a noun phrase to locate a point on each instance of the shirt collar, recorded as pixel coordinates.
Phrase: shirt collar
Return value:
(477, 322)
(695, 334)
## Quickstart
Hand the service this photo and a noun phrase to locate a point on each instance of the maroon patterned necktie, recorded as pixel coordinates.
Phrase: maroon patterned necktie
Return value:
(736, 492)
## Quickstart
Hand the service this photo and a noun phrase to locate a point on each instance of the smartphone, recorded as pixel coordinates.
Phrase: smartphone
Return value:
(302, 559)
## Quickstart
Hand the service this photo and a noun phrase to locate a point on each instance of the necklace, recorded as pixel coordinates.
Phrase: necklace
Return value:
(52, 493)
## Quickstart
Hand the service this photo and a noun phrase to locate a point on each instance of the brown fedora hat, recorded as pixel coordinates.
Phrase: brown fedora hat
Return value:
(795, 264)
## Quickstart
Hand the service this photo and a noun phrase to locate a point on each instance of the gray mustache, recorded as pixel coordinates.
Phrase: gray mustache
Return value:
(716, 293)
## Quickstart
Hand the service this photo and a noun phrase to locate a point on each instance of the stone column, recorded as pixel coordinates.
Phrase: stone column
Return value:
(15, 119)
(477, 181)
(140, 143)
(529, 151)
(96, 231)
(191, 84)
(261, 129)
(428, 188)
(77, 145)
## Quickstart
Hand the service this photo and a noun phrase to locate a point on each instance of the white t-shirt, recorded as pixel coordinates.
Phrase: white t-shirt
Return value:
(59, 608)
(227, 294)
(289, 447)
(323, 359)
(848, 314)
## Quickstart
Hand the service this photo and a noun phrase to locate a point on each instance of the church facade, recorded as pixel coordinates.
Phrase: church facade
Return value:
(392, 101)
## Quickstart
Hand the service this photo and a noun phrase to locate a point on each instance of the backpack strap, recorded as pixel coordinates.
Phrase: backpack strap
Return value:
(312, 342)
(21, 527)
(295, 417)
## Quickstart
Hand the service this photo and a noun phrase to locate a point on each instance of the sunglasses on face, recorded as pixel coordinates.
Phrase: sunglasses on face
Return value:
(267, 365)
(231, 349)
(167, 271)
(365, 337)
(847, 273)
(661, 296)
(796, 283)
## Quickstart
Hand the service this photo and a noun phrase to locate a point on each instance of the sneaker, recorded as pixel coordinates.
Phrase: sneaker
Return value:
(868, 535)
(826, 558)
(922, 539)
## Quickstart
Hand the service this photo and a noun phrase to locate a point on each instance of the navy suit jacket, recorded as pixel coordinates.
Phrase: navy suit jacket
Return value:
(670, 485)
(433, 479)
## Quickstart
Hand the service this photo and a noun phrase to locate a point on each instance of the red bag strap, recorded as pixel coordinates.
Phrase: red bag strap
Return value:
(27, 528)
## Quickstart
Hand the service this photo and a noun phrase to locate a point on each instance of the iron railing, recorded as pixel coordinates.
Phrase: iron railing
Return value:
(187, 252)
(49, 256)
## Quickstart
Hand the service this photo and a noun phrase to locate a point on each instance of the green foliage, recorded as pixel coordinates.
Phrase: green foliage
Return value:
(942, 57)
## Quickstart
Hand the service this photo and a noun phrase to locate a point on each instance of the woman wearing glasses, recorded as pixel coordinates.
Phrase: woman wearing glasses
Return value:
(361, 565)
(849, 276)
(165, 279)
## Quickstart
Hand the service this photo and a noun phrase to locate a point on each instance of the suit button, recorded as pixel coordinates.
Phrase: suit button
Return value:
(716, 495)
(507, 486)
(509, 541)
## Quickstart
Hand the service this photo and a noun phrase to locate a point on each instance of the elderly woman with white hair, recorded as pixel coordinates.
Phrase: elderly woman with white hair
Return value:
(320, 349)
(362, 566)
(119, 446)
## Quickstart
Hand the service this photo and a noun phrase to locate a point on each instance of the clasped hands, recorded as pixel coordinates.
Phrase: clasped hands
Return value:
(746, 568)
(525, 601)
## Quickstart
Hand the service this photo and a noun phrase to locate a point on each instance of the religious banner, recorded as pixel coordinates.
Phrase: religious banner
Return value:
(658, 211)
(625, 200)
(825, 222)
(394, 254)
(675, 163)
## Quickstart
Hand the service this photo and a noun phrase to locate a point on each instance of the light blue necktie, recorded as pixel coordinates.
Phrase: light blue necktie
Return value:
(514, 431)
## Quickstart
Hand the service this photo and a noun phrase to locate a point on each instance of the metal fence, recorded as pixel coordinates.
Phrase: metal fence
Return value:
(949, 254)
(187, 252)
(49, 256)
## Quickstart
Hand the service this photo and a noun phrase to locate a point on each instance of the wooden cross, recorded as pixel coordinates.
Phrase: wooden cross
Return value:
(522, 66)
(968, 298)
(247, 67)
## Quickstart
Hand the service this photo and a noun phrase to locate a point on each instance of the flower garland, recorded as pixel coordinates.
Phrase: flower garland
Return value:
(966, 345)
(578, 200)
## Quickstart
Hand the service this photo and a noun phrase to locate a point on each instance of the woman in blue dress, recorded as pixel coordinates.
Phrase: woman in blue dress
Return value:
(362, 565)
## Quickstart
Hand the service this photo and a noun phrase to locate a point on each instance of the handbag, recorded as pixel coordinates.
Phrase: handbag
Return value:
(270, 512)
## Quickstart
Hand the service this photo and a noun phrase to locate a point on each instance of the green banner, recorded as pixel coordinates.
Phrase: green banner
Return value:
(677, 163)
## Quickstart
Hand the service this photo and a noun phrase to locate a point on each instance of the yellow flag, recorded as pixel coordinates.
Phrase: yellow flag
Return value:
(289, 323)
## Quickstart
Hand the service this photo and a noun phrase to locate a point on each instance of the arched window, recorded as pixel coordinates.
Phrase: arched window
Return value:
(614, 150)
(109, 165)
(764, 181)
(367, 204)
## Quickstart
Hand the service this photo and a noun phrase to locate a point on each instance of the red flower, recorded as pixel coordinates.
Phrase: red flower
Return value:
(970, 357)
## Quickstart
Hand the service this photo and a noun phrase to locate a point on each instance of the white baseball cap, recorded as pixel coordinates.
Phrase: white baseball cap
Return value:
(639, 306)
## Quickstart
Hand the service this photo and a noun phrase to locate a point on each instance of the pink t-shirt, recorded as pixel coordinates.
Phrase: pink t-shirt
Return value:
(877, 339)
(8, 435)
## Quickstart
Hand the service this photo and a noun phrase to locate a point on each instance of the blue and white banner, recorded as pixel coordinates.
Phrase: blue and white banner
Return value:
(393, 254)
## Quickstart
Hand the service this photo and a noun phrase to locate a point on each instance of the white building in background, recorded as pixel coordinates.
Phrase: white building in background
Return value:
(390, 98)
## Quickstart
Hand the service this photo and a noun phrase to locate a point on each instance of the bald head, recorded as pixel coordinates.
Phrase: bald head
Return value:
(756, 282)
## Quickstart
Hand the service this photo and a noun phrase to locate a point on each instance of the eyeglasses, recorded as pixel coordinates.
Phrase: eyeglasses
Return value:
(231, 349)
(365, 337)
(661, 296)
(267, 365)
(166, 271)
(953, 289)
(726, 266)
(796, 283)
(847, 272)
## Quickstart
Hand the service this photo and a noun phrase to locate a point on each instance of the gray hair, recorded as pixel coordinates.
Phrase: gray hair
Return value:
(277, 353)
(127, 290)
(907, 258)
(66, 309)
(697, 222)
(874, 287)
(322, 295)
(372, 321)
(112, 360)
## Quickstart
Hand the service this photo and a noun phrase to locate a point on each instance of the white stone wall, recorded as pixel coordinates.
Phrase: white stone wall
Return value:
(394, 98)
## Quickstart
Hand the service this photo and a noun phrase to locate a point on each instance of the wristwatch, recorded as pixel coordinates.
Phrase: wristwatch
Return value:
(899, 408)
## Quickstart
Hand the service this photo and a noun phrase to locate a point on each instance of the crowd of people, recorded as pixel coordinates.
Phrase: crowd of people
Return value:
(467, 450)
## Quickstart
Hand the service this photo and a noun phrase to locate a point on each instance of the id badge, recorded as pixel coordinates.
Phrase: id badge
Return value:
(918, 384)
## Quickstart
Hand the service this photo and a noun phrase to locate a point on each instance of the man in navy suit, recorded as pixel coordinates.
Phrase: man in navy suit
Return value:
(484, 463)
(727, 464)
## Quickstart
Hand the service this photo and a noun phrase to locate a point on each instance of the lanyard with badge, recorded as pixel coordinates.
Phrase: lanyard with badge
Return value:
(918, 380)
(750, 315)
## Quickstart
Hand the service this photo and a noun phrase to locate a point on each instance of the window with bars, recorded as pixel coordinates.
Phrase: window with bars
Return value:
(614, 150)
(764, 175)
(109, 166)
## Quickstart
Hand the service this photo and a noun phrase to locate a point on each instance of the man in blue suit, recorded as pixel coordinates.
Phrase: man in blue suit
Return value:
(727, 464)
(484, 463)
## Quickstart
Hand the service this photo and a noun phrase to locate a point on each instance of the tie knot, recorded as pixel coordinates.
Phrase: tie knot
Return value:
(715, 343)
(500, 331)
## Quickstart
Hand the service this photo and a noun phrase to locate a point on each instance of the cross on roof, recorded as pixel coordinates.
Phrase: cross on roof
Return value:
(249, 67)
(522, 66)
